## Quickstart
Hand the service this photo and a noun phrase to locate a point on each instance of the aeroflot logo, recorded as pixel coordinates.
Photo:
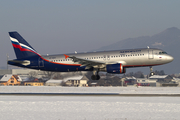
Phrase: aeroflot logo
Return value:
(126, 51)
(15, 41)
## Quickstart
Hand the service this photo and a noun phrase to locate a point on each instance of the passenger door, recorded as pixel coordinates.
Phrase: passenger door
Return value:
(41, 62)
(150, 54)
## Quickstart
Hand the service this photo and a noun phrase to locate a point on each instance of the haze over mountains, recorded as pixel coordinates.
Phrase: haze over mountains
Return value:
(167, 40)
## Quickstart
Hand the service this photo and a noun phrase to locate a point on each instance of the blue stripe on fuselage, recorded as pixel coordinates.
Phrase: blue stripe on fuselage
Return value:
(49, 66)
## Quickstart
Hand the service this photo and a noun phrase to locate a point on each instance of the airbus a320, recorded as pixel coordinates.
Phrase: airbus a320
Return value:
(107, 61)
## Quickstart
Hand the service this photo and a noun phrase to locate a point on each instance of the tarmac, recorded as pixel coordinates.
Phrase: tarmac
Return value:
(93, 94)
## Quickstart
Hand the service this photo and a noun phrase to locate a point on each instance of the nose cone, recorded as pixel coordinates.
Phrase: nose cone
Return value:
(170, 58)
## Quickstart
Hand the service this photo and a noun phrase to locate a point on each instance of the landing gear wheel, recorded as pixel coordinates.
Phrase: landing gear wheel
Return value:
(95, 77)
(152, 73)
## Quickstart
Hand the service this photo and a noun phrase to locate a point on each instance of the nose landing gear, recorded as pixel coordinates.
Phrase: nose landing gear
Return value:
(151, 71)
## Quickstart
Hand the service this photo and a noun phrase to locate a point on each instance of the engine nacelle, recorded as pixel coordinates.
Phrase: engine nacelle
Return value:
(115, 68)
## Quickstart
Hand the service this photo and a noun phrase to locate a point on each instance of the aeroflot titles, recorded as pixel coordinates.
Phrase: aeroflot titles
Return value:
(130, 51)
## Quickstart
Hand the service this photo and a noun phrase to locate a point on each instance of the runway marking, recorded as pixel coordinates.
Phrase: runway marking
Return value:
(93, 94)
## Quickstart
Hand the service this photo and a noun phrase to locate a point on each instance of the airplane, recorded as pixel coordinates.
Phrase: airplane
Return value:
(114, 62)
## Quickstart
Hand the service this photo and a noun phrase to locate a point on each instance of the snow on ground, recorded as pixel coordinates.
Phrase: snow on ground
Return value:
(38, 107)
(59, 89)
(88, 108)
(18, 107)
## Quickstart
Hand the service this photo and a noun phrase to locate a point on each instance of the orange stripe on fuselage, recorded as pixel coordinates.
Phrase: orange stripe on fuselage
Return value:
(66, 64)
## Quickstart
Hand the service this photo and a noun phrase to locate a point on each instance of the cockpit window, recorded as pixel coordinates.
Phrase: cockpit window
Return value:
(162, 53)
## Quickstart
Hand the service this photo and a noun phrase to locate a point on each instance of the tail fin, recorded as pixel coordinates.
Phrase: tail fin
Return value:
(21, 47)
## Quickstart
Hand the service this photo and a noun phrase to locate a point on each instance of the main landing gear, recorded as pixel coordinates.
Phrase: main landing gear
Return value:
(95, 75)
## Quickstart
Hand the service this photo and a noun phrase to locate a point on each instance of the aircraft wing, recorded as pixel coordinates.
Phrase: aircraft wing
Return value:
(87, 63)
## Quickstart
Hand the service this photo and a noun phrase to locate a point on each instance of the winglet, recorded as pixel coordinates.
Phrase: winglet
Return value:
(66, 56)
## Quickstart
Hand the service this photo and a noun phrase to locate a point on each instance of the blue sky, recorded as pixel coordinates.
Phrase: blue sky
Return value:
(65, 26)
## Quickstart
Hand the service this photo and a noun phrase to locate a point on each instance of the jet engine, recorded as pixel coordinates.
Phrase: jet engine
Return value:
(115, 68)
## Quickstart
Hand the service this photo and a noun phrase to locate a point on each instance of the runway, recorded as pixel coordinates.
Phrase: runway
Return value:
(90, 91)
(92, 94)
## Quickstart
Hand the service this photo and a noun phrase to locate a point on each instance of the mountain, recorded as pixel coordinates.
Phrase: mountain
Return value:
(167, 40)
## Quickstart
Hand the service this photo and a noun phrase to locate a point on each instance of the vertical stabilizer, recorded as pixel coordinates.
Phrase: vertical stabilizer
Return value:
(21, 47)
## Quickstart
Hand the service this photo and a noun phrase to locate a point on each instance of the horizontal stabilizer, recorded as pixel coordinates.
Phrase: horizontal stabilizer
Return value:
(23, 62)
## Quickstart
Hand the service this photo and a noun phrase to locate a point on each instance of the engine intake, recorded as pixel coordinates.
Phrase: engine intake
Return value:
(115, 68)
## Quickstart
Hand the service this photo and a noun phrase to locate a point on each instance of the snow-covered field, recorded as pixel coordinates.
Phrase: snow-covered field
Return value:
(89, 108)
(18, 107)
